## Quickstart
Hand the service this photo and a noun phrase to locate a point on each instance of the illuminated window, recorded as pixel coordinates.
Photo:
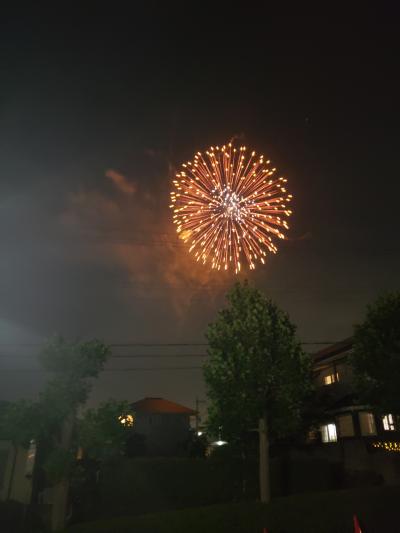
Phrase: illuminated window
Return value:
(345, 425)
(331, 378)
(367, 424)
(388, 423)
(328, 433)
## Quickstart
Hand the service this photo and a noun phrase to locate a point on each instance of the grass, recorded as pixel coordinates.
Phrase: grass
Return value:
(325, 512)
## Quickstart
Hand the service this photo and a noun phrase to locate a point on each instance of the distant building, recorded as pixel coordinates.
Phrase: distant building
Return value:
(164, 426)
(352, 433)
(345, 417)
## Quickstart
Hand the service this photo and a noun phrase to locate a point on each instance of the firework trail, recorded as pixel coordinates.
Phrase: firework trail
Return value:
(229, 207)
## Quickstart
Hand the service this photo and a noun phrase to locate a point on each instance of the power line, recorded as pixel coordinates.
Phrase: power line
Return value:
(142, 356)
(153, 344)
(148, 344)
(136, 356)
(125, 369)
(120, 356)
(115, 345)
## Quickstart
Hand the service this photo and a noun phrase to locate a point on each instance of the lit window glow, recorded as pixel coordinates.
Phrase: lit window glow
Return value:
(329, 433)
(331, 378)
(388, 423)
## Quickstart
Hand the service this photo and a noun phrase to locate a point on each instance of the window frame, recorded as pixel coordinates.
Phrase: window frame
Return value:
(334, 378)
(370, 416)
(388, 422)
(330, 430)
(339, 429)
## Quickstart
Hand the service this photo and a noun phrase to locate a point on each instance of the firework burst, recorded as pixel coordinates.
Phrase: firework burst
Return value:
(229, 207)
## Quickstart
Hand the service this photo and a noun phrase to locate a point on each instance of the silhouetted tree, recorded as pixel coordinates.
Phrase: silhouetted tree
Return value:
(257, 373)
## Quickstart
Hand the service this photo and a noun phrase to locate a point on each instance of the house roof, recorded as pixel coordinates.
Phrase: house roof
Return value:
(159, 405)
(334, 349)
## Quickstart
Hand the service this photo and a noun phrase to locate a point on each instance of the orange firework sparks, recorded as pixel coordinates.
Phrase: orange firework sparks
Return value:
(229, 207)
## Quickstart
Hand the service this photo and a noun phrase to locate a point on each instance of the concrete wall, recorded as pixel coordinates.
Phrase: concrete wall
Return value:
(14, 485)
(355, 456)
(6, 462)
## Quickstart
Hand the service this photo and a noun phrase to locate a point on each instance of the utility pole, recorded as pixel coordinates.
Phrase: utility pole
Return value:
(60, 490)
(198, 402)
(265, 493)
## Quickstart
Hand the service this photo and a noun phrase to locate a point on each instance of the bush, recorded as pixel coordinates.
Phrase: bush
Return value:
(137, 486)
(144, 485)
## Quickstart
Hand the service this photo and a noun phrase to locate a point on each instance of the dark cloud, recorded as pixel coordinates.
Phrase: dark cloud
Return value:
(93, 125)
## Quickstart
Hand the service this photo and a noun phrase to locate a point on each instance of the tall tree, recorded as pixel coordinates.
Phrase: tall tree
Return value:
(104, 432)
(257, 372)
(376, 354)
(51, 420)
(74, 366)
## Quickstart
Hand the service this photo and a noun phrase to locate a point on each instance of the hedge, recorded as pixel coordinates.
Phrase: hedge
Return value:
(137, 486)
(324, 512)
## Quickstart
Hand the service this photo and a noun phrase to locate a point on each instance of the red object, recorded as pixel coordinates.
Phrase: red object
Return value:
(159, 405)
(357, 528)
(265, 530)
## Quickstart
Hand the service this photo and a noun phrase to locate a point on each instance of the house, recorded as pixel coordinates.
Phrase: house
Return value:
(352, 433)
(164, 425)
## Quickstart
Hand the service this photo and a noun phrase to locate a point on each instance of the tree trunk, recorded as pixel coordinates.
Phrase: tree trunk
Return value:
(244, 476)
(60, 490)
(265, 493)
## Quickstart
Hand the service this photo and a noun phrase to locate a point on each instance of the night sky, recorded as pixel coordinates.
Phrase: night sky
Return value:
(97, 110)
